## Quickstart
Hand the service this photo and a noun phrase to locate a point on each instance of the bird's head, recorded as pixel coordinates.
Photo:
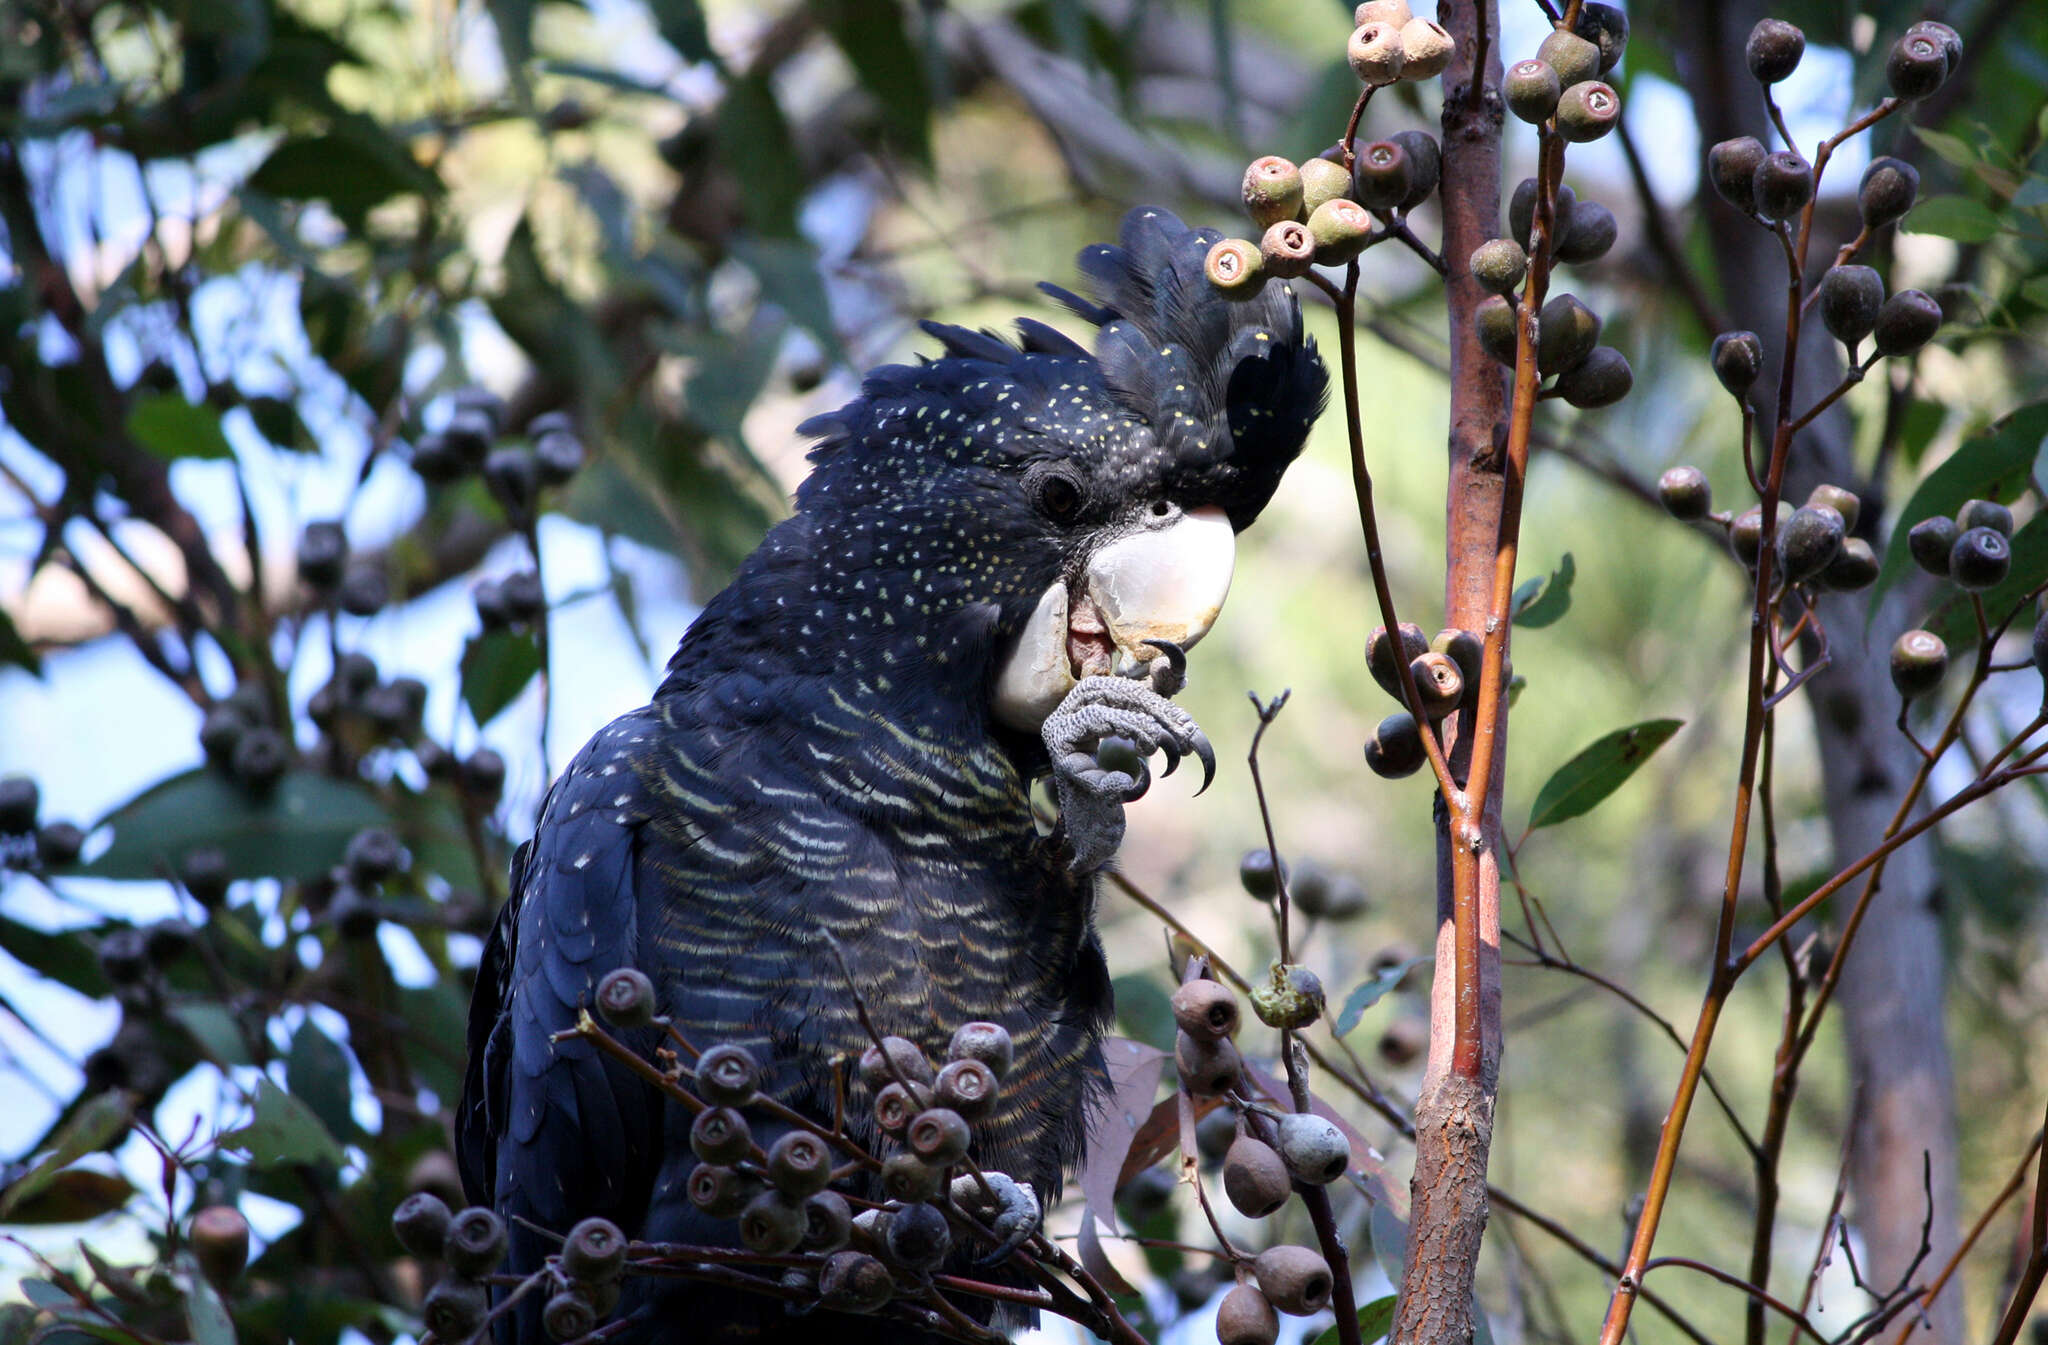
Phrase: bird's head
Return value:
(1061, 508)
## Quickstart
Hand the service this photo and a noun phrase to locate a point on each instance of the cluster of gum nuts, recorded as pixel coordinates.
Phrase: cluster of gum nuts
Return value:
(583, 1277)
(1559, 90)
(1444, 669)
(1259, 1170)
(1814, 548)
(1320, 213)
(1973, 551)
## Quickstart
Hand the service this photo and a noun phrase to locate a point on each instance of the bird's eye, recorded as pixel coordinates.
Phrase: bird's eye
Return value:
(1059, 496)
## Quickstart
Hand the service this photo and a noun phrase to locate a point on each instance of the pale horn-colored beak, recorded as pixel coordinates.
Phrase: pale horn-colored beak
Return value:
(1167, 584)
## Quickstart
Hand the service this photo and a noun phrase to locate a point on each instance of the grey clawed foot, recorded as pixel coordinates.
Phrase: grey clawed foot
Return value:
(1094, 778)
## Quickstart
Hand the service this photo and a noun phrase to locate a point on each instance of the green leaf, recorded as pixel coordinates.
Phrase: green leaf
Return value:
(754, 139)
(1544, 600)
(681, 25)
(496, 667)
(317, 1073)
(788, 272)
(1953, 150)
(204, 1312)
(97, 1125)
(1375, 1319)
(72, 1197)
(1368, 993)
(172, 428)
(216, 1031)
(1956, 217)
(1580, 784)
(1955, 621)
(284, 1131)
(356, 166)
(298, 831)
(1992, 466)
(16, 651)
(2035, 291)
(872, 35)
(66, 957)
(1144, 1011)
(2033, 192)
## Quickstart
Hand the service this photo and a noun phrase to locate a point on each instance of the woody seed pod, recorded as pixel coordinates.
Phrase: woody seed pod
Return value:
(1919, 661)
(1236, 267)
(1207, 1068)
(1574, 58)
(1246, 1318)
(1296, 1280)
(1376, 54)
(1206, 1010)
(1254, 1177)
(1532, 90)
(1272, 190)
(1288, 249)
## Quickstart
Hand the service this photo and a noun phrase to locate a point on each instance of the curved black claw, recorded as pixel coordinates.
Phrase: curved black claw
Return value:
(1205, 754)
(1176, 658)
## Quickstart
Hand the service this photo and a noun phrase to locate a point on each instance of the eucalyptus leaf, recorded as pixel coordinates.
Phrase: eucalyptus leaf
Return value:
(284, 1131)
(299, 830)
(1370, 991)
(1578, 786)
(171, 428)
(1375, 1319)
(1543, 601)
(496, 666)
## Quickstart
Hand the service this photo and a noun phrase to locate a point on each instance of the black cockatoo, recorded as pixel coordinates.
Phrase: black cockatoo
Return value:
(996, 562)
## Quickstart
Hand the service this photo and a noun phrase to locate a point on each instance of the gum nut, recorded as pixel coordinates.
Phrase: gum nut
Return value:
(1606, 27)
(1532, 89)
(559, 455)
(1849, 299)
(1587, 111)
(1731, 167)
(720, 1191)
(1260, 875)
(468, 435)
(1522, 211)
(855, 1282)
(1745, 534)
(1395, 12)
(1215, 1133)
(455, 1308)
(323, 549)
(1340, 229)
(1496, 325)
(1288, 249)
(1381, 175)
(1951, 41)
(475, 1243)
(2041, 645)
(1439, 683)
(206, 875)
(261, 759)
(1426, 49)
(1929, 543)
(1338, 897)
(1592, 233)
(939, 1135)
(513, 477)
(1385, 662)
(1916, 66)
(1985, 514)
(1395, 749)
(1375, 53)
(1919, 661)
(917, 1237)
(568, 1316)
(908, 1178)
(772, 1224)
(1738, 358)
(828, 1222)
(364, 591)
(1980, 559)
(1567, 334)
(880, 1065)
(1296, 1280)
(1773, 50)
(1313, 1148)
(1206, 1010)
(1601, 379)
(895, 1105)
(987, 1042)
(1292, 998)
(373, 854)
(800, 1163)
(1854, 567)
(1499, 265)
(220, 1241)
(1272, 190)
(421, 1224)
(1236, 267)
(436, 462)
(1255, 1177)
(1322, 180)
(721, 1135)
(1685, 493)
(1839, 499)
(1425, 161)
(1405, 1039)
(1207, 1068)
(1246, 1318)
(625, 998)
(728, 1076)
(1908, 321)
(1466, 650)
(1809, 541)
(968, 1087)
(1574, 58)
(1782, 186)
(1887, 191)
(59, 844)
(594, 1252)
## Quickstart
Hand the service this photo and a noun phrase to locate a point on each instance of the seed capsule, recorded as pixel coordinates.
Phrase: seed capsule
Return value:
(1382, 175)
(1499, 264)
(1272, 190)
(323, 550)
(421, 1224)
(895, 1105)
(122, 956)
(1260, 874)
(1465, 649)
(261, 759)
(1246, 1318)
(1236, 267)
(1340, 229)
(1425, 162)
(1592, 233)
(2040, 646)
(939, 1135)
(1314, 1149)
(557, 452)
(1405, 1039)
(1439, 683)
(220, 1241)
(1207, 1068)
(1916, 66)
(1980, 559)
(1985, 514)
(968, 1087)
(1426, 49)
(1588, 111)
(1532, 90)
(594, 1252)
(1385, 662)
(455, 1308)
(625, 998)
(1843, 502)
(1773, 50)
(1395, 12)
(1148, 1194)
(1685, 493)
(1574, 58)
(903, 1058)
(1601, 379)
(1854, 567)
(1887, 191)
(1288, 250)
(800, 1164)
(1254, 1177)
(1919, 662)
(1738, 358)
(854, 1282)
(1322, 181)
(1292, 998)
(772, 1224)
(1809, 541)
(1375, 53)
(1850, 297)
(721, 1135)
(1522, 211)
(1606, 27)
(1395, 749)
(1745, 534)
(1215, 1133)
(1930, 542)
(908, 1178)
(987, 1042)
(1567, 334)
(720, 1191)
(1496, 325)
(1951, 41)
(475, 1243)
(1782, 186)
(1908, 321)
(1731, 167)
(1296, 1280)
(828, 1222)
(918, 1237)
(1206, 1010)
(568, 1316)
(727, 1076)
